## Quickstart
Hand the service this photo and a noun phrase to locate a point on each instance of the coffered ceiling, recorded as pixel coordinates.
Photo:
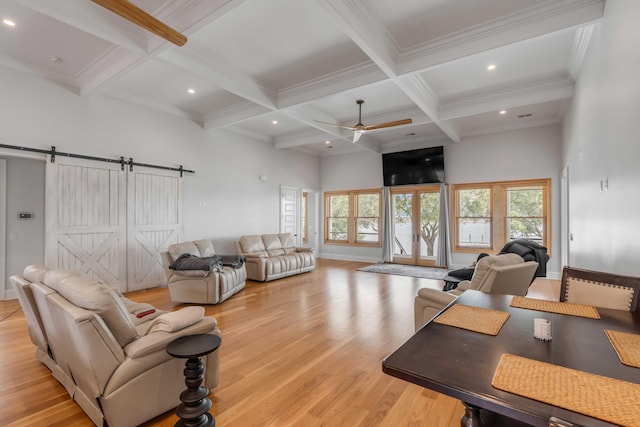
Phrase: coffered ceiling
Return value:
(251, 63)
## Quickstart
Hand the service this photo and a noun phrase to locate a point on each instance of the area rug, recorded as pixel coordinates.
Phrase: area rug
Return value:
(406, 270)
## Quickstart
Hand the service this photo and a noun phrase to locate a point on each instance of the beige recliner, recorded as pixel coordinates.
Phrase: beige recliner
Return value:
(198, 286)
(272, 256)
(113, 363)
(494, 274)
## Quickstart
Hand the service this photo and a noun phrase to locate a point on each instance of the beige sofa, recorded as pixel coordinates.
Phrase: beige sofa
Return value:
(272, 256)
(197, 286)
(494, 274)
(113, 363)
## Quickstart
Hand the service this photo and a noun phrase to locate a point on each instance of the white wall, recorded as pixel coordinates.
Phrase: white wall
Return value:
(223, 200)
(522, 154)
(25, 238)
(601, 143)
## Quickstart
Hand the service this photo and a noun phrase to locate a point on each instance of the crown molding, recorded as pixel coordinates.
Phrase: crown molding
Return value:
(346, 79)
(550, 16)
(527, 125)
(579, 49)
(64, 80)
(197, 118)
(248, 133)
(113, 61)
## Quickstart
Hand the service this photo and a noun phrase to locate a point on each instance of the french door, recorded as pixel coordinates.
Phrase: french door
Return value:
(416, 221)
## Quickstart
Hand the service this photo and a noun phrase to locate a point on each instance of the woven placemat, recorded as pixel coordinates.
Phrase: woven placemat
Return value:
(555, 307)
(608, 399)
(627, 345)
(474, 319)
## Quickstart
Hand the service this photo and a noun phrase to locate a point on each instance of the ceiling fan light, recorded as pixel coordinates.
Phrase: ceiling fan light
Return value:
(357, 134)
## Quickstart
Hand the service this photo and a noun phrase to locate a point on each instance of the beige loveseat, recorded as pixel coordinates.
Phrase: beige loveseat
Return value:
(272, 256)
(112, 362)
(198, 286)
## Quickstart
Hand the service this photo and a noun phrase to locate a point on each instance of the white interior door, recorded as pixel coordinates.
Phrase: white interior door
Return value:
(290, 211)
(565, 231)
(85, 222)
(154, 221)
(3, 226)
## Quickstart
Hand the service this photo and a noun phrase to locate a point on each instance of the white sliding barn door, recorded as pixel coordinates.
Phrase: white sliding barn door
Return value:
(85, 223)
(154, 205)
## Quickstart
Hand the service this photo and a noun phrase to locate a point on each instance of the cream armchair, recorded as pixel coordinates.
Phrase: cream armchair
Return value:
(495, 274)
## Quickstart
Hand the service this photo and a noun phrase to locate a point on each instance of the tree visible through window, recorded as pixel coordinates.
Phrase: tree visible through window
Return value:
(474, 219)
(489, 215)
(353, 217)
(525, 217)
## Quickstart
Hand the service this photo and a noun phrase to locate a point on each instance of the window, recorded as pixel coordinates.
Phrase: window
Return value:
(305, 216)
(488, 215)
(352, 217)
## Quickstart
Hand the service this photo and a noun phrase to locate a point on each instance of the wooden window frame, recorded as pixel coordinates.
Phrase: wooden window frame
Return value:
(498, 211)
(352, 219)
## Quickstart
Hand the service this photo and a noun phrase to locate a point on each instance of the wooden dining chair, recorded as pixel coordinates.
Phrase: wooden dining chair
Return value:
(600, 289)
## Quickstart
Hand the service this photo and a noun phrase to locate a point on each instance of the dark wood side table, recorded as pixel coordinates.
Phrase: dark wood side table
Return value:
(194, 409)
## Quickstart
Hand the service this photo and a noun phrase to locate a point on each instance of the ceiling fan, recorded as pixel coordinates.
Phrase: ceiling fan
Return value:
(133, 13)
(360, 129)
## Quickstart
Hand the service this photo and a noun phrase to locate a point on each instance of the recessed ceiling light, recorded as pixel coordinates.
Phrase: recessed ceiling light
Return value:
(274, 122)
(503, 112)
(327, 142)
(8, 23)
(191, 91)
(491, 67)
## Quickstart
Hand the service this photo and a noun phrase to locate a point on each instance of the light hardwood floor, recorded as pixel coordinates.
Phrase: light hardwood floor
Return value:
(300, 351)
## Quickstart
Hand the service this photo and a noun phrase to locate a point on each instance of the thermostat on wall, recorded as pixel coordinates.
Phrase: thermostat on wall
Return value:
(25, 215)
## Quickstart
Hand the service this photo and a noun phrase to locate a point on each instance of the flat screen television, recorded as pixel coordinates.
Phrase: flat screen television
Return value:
(422, 166)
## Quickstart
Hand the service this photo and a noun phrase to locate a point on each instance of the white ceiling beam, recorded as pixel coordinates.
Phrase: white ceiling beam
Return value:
(543, 18)
(347, 79)
(361, 24)
(299, 139)
(420, 93)
(511, 96)
(307, 115)
(363, 27)
(223, 76)
(233, 114)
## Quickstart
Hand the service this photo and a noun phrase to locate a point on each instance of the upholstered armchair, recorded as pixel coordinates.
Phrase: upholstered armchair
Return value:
(495, 274)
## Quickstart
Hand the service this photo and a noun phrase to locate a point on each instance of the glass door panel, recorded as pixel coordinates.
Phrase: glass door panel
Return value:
(403, 228)
(429, 225)
(416, 215)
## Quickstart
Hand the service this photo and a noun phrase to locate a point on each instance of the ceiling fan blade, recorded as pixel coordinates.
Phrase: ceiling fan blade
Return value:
(357, 134)
(336, 125)
(389, 124)
(133, 13)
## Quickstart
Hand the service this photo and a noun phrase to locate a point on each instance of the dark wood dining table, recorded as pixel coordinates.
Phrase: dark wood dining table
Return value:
(461, 363)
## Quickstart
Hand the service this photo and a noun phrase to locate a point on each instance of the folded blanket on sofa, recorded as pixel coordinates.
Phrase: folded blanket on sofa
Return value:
(234, 261)
(176, 320)
(191, 262)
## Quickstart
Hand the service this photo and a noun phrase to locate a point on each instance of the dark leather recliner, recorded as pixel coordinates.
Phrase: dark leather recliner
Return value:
(529, 251)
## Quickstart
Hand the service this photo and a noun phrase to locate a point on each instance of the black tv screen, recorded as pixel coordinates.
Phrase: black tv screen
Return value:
(422, 166)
